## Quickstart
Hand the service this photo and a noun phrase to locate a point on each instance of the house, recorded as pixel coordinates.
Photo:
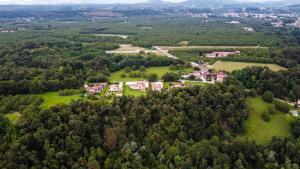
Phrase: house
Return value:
(221, 54)
(205, 75)
(248, 29)
(298, 103)
(139, 85)
(220, 76)
(94, 88)
(116, 87)
(157, 86)
(177, 85)
(294, 113)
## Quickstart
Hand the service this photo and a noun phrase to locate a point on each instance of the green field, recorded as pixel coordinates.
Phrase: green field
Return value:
(261, 131)
(193, 83)
(130, 92)
(53, 98)
(231, 66)
(13, 117)
(160, 71)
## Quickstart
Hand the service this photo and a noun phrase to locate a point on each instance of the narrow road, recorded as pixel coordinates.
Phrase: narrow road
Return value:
(166, 53)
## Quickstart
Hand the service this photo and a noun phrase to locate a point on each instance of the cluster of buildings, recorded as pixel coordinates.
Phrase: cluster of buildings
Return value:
(221, 54)
(94, 88)
(206, 76)
(11, 31)
(248, 29)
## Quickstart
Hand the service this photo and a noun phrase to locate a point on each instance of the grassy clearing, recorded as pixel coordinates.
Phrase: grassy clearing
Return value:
(53, 98)
(130, 92)
(192, 83)
(160, 71)
(13, 117)
(231, 66)
(261, 131)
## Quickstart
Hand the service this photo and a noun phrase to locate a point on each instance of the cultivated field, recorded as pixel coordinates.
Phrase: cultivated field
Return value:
(231, 66)
(260, 130)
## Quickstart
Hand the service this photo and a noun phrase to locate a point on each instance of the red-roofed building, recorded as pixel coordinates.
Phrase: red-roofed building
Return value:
(140, 85)
(94, 88)
(157, 86)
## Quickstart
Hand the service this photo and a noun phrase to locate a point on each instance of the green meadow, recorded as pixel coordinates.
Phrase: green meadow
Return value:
(53, 98)
(262, 131)
(160, 71)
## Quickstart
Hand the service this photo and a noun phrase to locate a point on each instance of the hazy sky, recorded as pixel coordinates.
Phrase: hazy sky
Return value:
(2, 2)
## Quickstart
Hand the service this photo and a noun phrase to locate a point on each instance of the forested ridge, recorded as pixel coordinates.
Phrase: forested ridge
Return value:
(182, 128)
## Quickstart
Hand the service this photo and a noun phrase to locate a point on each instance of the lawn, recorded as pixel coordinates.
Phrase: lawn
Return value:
(261, 131)
(160, 71)
(231, 66)
(130, 92)
(194, 83)
(53, 98)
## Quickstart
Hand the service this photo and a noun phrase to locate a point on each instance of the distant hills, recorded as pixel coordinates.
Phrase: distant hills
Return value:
(222, 3)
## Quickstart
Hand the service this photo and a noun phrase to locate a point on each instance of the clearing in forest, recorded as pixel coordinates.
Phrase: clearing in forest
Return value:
(262, 131)
(231, 66)
(160, 71)
(53, 98)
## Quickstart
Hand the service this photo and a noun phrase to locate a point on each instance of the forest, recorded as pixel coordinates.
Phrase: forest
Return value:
(198, 126)
(183, 128)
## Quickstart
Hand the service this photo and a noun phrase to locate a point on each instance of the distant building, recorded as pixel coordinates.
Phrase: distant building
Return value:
(248, 29)
(297, 23)
(298, 103)
(205, 75)
(94, 88)
(221, 54)
(278, 24)
(140, 85)
(233, 22)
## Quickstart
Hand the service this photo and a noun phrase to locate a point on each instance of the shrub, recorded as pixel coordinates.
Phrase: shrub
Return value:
(295, 128)
(281, 106)
(152, 77)
(127, 69)
(170, 77)
(268, 97)
(123, 75)
(142, 69)
(265, 116)
(272, 110)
